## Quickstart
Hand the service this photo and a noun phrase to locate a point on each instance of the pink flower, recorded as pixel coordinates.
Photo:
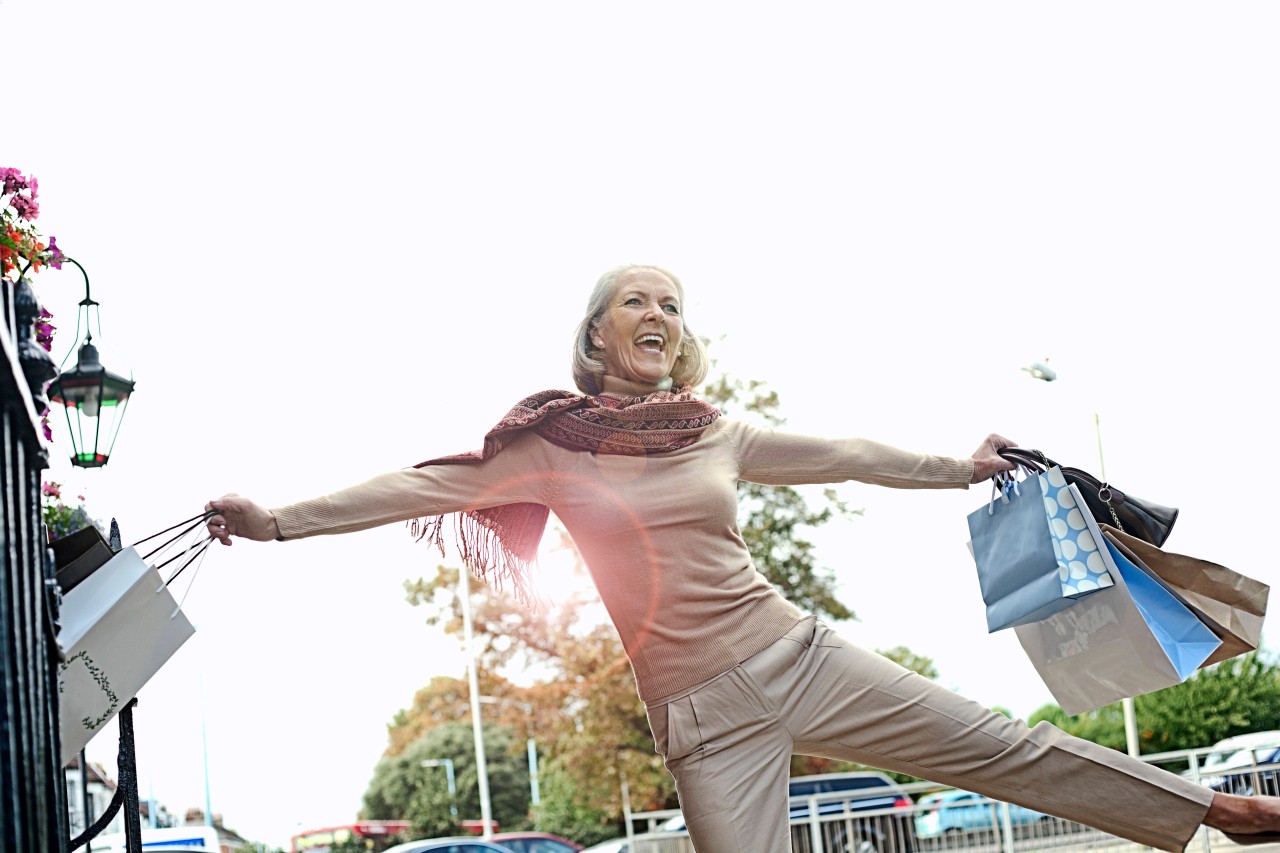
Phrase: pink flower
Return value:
(55, 254)
(51, 490)
(48, 431)
(28, 208)
(13, 180)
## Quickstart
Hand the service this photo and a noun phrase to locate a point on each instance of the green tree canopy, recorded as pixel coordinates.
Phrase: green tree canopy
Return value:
(403, 789)
(1236, 696)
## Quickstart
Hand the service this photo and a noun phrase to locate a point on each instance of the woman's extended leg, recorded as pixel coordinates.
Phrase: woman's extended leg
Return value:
(839, 701)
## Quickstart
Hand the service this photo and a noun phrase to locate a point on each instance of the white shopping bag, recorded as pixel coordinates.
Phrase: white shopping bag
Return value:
(119, 626)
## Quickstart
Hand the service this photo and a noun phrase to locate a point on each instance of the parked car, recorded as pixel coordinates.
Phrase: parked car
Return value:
(956, 812)
(535, 842)
(613, 845)
(464, 844)
(862, 790)
(1245, 764)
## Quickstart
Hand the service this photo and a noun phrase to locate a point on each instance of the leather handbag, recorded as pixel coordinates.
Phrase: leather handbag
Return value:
(1148, 521)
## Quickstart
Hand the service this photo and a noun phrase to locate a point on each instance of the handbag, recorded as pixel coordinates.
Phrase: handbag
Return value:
(1131, 638)
(1108, 505)
(1232, 605)
(119, 624)
(1014, 554)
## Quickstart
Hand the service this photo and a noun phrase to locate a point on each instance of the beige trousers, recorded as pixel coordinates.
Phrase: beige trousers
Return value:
(729, 741)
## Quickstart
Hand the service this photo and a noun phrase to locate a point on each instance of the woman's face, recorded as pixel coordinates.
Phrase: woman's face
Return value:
(641, 329)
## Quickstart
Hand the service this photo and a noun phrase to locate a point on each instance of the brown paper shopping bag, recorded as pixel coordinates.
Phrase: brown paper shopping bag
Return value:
(1231, 604)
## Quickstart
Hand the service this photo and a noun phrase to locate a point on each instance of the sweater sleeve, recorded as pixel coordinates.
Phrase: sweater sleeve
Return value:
(787, 459)
(508, 477)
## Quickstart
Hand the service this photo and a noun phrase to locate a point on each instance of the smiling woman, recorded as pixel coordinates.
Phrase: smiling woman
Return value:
(634, 332)
(735, 678)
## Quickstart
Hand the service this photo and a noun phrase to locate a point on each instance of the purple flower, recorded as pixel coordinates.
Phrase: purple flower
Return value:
(48, 432)
(55, 254)
(44, 331)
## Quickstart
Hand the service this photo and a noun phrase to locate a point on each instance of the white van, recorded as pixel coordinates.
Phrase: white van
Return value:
(1242, 763)
(174, 839)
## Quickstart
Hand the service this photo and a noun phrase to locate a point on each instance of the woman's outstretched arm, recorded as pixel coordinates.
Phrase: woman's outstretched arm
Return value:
(238, 516)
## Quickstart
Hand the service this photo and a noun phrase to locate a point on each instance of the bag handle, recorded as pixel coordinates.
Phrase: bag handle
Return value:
(1028, 458)
(198, 546)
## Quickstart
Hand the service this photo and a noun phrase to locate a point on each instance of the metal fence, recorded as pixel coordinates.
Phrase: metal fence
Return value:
(979, 824)
(32, 789)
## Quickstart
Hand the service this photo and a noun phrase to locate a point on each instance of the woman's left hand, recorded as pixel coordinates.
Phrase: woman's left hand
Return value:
(986, 462)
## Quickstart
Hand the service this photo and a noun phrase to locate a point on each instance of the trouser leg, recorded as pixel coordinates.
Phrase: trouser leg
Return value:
(843, 702)
(730, 757)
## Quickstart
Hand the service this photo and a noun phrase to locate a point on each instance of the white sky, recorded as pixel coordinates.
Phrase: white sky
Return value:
(335, 239)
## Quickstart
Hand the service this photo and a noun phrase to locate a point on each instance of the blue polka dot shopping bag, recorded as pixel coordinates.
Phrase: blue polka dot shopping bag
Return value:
(1033, 550)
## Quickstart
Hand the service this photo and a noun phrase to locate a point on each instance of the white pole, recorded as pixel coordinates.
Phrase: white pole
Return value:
(482, 768)
(1126, 704)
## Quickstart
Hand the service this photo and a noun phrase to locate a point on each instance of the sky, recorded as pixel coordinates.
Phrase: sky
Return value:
(331, 240)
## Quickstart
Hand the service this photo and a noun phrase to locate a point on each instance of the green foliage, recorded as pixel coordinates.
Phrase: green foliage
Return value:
(904, 657)
(1236, 696)
(586, 816)
(403, 789)
(59, 518)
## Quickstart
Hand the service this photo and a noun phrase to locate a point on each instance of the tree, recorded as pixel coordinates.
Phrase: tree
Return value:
(403, 789)
(1233, 697)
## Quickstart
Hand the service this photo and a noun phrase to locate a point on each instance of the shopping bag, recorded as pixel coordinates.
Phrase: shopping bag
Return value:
(1232, 605)
(1012, 549)
(1082, 569)
(119, 625)
(1131, 638)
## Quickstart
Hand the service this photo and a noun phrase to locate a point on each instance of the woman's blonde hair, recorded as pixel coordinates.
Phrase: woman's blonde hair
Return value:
(691, 365)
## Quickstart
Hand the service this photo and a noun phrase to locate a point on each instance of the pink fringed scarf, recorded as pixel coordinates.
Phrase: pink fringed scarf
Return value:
(500, 544)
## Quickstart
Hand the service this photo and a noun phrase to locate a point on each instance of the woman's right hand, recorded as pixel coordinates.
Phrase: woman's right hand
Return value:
(237, 516)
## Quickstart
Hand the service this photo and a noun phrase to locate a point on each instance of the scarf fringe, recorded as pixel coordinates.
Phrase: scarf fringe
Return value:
(485, 554)
(499, 544)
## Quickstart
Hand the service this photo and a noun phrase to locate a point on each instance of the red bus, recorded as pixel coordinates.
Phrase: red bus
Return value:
(377, 832)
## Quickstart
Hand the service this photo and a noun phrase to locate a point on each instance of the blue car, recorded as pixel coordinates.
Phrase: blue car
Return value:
(955, 812)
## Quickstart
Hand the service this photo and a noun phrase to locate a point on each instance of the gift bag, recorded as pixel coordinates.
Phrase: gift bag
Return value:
(1131, 638)
(1232, 605)
(119, 624)
(1033, 551)
(1081, 566)
(1012, 549)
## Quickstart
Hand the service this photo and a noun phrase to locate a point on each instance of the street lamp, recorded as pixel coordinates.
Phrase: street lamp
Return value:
(447, 764)
(1041, 371)
(531, 747)
(477, 730)
(94, 393)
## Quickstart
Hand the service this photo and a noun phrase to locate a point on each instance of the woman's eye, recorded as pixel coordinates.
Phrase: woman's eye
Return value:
(632, 301)
(671, 309)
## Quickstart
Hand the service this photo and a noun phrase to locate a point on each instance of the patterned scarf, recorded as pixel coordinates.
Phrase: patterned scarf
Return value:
(500, 544)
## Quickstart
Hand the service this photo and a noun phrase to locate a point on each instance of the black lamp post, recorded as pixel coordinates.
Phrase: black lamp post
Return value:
(97, 396)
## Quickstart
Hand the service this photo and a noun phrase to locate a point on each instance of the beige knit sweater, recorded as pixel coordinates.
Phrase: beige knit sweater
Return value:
(659, 533)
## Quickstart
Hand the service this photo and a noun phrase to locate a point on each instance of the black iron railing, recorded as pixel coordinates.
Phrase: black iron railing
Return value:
(33, 808)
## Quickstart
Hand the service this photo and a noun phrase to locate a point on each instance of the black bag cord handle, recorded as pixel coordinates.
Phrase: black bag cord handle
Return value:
(199, 546)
